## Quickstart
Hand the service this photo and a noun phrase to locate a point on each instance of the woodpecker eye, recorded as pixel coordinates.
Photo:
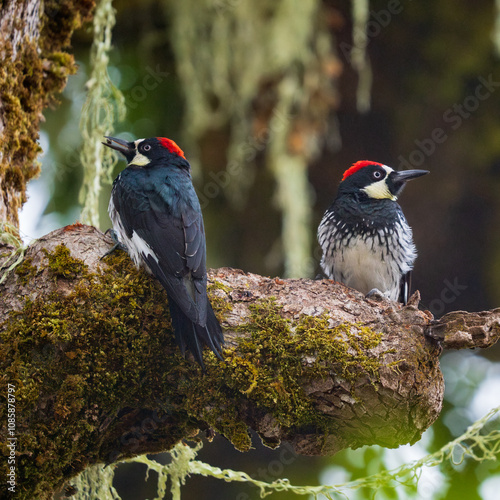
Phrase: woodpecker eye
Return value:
(377, 174)
(146, 147)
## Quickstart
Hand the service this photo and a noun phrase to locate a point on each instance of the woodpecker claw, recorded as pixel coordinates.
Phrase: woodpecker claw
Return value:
(375, 294)
(117, 245)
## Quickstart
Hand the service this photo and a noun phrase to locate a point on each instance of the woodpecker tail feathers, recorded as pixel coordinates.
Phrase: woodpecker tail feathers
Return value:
(191, 336)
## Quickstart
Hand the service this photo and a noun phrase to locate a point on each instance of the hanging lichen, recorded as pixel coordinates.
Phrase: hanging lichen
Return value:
(94, 482)
(14, 255)
(105, 105)
(359, 57)
(262, 71)
(293, 192)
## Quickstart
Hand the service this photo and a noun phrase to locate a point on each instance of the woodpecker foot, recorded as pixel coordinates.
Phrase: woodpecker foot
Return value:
(117, 245)
(375, 294)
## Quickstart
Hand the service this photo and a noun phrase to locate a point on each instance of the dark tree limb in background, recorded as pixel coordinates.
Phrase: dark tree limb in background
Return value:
(87, 343)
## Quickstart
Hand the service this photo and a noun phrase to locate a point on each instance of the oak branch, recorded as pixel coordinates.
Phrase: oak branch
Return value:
(87, 344)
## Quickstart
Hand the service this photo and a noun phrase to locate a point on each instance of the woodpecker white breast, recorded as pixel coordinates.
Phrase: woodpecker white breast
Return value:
(367, 243)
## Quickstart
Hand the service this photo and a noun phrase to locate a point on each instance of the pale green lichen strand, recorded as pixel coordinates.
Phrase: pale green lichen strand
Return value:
(104, 106)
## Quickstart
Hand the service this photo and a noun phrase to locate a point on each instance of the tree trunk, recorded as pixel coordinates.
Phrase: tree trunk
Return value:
(33, 68)
(87, 347)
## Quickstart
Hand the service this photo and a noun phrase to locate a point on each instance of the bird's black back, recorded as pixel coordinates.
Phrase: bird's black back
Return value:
(162, 225)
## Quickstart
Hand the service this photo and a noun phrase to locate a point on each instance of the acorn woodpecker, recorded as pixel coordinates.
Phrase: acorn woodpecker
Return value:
(157, 217)
(367, 243)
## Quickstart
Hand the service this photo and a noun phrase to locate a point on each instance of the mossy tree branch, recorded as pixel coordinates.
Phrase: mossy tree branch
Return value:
(87, 344)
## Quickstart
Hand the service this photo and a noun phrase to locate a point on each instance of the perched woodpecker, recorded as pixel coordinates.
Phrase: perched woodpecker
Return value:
(157, 217)
(367, 243)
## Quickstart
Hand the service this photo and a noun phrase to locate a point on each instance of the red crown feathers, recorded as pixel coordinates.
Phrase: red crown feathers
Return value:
(171, 146)
(358, 166)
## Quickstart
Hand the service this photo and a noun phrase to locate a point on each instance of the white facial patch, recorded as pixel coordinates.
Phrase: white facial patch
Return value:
(379, 190)
(139, 159)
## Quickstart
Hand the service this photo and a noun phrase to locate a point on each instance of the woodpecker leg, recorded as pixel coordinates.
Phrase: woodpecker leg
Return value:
(321, 276)
(375, 294)
(117, 245)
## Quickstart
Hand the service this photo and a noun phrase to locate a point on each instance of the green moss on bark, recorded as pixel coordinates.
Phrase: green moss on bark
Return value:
(25, 271)
(76, 357)
(271, 366)
(62, 264)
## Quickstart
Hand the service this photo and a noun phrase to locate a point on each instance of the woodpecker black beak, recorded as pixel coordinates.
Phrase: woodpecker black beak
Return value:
(127, 149)
(406, 175)
(396, 181)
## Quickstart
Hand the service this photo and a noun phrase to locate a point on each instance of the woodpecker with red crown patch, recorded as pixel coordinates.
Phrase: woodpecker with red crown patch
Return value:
(157, 217)
(366, 241)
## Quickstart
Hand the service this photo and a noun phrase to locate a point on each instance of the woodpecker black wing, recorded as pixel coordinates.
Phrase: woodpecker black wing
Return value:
(173, 247)
(184, 277)
(178, 264)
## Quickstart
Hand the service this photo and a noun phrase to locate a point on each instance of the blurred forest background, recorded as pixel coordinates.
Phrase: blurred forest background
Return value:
(272, 100)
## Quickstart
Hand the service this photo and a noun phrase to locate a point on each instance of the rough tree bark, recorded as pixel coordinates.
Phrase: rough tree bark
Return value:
(88, 346)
